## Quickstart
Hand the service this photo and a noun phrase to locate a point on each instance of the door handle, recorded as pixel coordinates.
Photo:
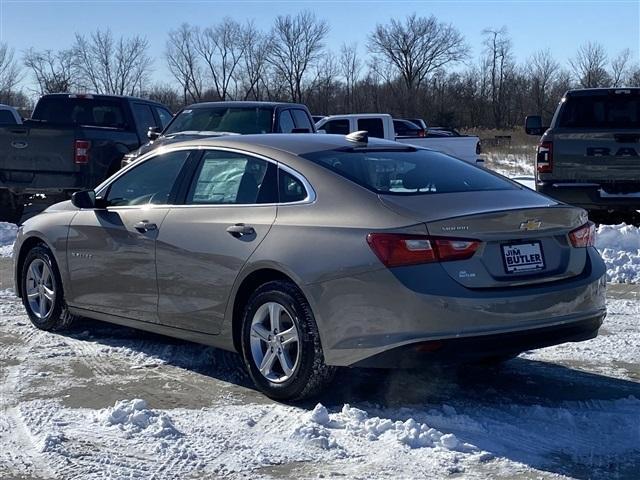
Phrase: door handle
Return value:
(240, 229)
(145, 226)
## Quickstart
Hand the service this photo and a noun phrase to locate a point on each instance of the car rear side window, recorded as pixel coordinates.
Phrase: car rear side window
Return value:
(338, 127)
(372, 125)
(290, 188)
(232, 178)
(151, 182)
(408, 171)
(601, 111)
(94, 112)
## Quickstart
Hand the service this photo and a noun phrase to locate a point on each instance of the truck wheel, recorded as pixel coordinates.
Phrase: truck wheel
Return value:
(281, 345)
(42, 294)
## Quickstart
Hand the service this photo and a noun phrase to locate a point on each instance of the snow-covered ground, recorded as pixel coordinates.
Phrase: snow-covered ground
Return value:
(7, 236)
(103, 401)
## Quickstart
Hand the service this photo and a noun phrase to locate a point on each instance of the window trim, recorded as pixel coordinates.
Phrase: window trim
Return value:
(196, 156)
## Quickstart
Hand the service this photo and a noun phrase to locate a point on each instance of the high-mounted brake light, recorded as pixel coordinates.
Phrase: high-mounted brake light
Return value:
(81, 152)
(544, 158)
(395, 249)
(584, 236)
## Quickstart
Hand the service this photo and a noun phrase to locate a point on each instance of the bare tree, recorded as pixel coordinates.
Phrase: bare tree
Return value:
(254, 73)
(543, 70)
(53, 72)
(499, 61)
(296, 46)
(589, 66)
(350, 67)
(619, 68)
(416, 48)
(183, 62)
(10, 73)
(222, 48)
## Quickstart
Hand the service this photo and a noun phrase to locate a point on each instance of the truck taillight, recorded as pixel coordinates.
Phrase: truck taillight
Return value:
(396, 249)
(478, 148)
(584, 236)
(544, 158)
(81, 152)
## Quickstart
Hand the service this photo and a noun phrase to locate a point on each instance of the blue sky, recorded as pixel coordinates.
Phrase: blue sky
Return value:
(560, 26)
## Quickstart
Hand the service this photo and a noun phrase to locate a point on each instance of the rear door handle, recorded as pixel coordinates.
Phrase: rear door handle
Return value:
(240, 229)
(145, 226)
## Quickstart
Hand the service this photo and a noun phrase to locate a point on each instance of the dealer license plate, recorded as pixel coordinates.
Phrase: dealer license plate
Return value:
(522, 257)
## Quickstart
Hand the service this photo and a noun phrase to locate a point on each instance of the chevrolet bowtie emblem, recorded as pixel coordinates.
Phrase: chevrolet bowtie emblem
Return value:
(531, 225)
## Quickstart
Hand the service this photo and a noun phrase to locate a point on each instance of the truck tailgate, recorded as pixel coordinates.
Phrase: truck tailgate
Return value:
(37, 157)
(604, 156)
(463, 148)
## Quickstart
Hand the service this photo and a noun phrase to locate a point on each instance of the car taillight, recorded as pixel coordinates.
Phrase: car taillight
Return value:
(544, 158)
(478, 148)
(584, 236)
(394, 249)
(421, 133)
(81, 152)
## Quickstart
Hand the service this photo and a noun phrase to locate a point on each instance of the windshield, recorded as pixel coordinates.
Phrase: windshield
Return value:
(408, 171)
(240, 120)
(601, 111)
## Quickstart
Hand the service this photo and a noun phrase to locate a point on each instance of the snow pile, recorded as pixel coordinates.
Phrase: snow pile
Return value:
(619, 246)
(8, 232)
(356, 422)
(133, 417)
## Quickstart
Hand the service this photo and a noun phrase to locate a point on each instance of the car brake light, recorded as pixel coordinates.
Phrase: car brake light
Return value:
(421, 133)
(81, 152)
(544, 158)
(396, 250)
(584, 236)
(478, 148)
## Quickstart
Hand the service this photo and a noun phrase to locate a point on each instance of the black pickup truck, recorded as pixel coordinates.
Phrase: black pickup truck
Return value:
(70, 143)
(229, 118)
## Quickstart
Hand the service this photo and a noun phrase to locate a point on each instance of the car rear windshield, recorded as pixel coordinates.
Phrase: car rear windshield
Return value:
(94, 112)
(222, 119)
(408, 171)
(601, 111)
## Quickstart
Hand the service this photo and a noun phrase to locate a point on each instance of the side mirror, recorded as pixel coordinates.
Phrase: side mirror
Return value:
(153, 133)
(533, 125)
(84, 199)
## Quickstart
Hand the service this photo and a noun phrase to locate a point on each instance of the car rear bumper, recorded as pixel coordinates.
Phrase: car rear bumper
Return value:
(467, 349)
(363, 316)
(590, 196)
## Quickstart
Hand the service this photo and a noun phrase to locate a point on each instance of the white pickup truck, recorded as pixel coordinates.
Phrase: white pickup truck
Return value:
(380, 125)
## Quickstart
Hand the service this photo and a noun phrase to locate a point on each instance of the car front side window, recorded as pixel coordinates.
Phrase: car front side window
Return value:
(150, 182)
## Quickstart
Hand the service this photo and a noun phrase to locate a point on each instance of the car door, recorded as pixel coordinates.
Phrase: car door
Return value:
(228, 210)
(111, 251)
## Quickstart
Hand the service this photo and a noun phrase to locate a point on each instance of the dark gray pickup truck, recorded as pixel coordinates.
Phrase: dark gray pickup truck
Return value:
(590, 154)
(71, 143)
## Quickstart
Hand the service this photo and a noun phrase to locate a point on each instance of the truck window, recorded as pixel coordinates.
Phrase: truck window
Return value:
(338, 127)
(144, 116)
(302, 119)
(7, 118)
(222, 119)
(93, 112)
(164, 116)
(601, 111)
(372, 125)
(286, 122)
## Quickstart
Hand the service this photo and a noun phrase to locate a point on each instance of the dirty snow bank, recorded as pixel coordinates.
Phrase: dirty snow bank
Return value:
(619, 246)
(8, 232)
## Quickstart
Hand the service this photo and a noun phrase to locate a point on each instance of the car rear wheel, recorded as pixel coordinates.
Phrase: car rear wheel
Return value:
(42, 294)
(281, 345)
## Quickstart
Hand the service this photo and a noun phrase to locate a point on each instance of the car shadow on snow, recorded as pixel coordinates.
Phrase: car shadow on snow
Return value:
(544, 415)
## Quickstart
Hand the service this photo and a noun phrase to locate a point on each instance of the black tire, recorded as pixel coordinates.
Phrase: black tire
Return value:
(58, 317)
(310, 374)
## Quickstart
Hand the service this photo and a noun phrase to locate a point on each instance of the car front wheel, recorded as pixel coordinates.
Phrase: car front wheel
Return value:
(281, 345)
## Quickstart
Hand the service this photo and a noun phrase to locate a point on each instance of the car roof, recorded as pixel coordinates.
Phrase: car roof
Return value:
(294, 143)
(100, 96)
(587, 92)
(245, 104)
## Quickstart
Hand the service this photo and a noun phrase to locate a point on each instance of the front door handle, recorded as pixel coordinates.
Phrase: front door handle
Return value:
(145, 226)
(240, 229)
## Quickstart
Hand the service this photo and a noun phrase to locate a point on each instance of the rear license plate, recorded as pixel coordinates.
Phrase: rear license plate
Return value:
(522, 257)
